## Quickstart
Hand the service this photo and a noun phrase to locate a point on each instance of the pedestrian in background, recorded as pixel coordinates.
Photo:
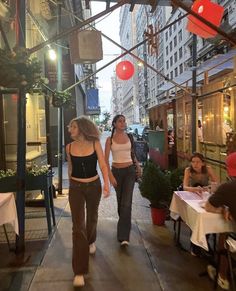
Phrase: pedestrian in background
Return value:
(199, 130)
(171, 144)
(122, 174)
(84, 191)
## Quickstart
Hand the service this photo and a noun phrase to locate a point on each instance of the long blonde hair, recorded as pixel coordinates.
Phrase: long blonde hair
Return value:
(87, 128)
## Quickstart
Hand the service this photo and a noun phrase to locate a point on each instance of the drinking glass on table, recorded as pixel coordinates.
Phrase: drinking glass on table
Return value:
(205, 195)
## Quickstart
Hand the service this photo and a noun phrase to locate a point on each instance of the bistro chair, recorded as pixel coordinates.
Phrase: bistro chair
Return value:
(177, 222)
(230, 252)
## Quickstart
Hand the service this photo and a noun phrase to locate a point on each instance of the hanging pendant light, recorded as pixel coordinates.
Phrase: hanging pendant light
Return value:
(124, 70)
(210, 11)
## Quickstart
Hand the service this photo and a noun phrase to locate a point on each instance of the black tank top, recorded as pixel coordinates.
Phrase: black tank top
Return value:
(84, 167)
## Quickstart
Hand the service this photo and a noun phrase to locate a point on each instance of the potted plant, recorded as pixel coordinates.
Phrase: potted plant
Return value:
(36, 178)
(7, 181)
(176, 178)
(155, 186)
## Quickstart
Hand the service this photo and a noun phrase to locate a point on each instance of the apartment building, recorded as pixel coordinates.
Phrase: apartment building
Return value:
(173, 57)
(129, 88)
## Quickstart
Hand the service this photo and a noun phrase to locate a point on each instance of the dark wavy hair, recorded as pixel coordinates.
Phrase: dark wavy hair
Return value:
(114, 122)
(201, 157)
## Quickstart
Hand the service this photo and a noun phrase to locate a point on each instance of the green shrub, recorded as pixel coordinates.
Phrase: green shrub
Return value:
(155, 186)
(176, 178)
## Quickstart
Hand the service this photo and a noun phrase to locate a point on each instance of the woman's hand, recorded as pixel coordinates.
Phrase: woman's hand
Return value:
(106, 190)
(226, 213)
(113, 181)
(139, 171)
(198, 190)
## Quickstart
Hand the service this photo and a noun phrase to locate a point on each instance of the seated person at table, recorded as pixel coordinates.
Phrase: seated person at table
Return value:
(198, 175)
(224, 201)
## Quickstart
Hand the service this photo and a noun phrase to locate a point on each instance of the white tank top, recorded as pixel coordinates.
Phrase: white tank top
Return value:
(121, 152)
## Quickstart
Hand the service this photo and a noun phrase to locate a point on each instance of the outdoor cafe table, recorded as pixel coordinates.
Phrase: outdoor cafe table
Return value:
(8, 212)
(187, 206)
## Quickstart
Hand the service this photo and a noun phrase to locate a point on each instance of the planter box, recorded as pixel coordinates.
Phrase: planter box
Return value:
(36, 182)
(8, 184)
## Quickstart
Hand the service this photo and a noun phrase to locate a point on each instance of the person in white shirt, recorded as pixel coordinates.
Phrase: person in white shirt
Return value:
(122, 174)
(199, 130)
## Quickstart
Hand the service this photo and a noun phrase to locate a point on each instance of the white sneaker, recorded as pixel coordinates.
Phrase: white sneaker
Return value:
(223, 283)
(124, 243)
(78, 281)
(92, 249)
(211, 272)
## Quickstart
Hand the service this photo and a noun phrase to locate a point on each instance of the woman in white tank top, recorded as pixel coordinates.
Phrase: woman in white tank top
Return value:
(122, 175)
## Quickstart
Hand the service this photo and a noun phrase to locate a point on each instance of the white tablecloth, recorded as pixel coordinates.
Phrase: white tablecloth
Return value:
(187, 206)
(8, 213)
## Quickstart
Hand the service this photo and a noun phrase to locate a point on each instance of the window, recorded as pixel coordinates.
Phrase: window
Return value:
(171, 61)
(181, 68)
(167, 65)
(171, 75)
(180, 53)
(175, 57)
(170, 46)
(166, 35)
(167, 50)
(190, 49)
(170, 31)
(179, 22)
(176, 71)
(180, 35)
(175, 41)
(175, 26)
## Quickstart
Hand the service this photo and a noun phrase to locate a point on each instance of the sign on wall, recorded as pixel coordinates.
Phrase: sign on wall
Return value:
(92, 101)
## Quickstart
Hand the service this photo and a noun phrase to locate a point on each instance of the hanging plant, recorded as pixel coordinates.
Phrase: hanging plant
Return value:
(18, 70)
(62, 99)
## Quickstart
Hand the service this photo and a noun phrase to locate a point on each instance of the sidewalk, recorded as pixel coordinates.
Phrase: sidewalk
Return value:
(151, 262)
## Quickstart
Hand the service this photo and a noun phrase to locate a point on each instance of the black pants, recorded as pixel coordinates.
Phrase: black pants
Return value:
(125, 178)
(84, 232)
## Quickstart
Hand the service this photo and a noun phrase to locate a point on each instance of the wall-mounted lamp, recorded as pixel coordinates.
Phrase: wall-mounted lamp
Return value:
(52, 54)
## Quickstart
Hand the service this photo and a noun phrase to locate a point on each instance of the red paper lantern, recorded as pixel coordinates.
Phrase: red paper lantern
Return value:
(212, 12)
(125, 70)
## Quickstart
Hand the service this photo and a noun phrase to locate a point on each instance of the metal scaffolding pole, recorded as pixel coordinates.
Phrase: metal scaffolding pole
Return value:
(194, 94)
(60, 109)
(21, 135)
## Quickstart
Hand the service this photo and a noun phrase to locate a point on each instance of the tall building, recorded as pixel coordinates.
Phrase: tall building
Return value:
(128, 39)
(152, 52)
(171, 54)
(117, 96)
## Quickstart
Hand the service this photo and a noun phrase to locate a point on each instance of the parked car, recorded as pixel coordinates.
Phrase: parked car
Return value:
(139, 131)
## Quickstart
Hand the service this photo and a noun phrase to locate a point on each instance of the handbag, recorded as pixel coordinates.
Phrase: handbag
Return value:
(133, 157)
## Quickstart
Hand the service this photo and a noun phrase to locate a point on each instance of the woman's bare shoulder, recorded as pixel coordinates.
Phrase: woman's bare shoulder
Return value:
(68, 146)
